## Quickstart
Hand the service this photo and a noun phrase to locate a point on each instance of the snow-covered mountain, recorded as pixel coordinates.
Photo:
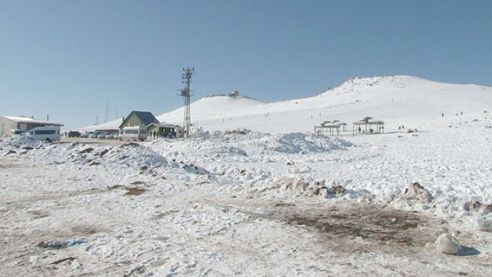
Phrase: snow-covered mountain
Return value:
(397, 100)
(215, 107)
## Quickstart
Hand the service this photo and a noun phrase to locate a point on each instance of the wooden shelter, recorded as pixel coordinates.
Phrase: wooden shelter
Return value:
(332, 127)
(368, 125)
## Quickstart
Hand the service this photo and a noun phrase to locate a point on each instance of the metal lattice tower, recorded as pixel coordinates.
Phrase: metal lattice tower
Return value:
(186, 94)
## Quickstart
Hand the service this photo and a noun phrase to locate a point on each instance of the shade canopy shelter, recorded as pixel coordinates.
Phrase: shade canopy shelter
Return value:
(368, 125)
(332, 127)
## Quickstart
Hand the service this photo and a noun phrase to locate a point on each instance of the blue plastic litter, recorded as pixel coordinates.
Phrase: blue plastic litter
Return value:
(63, 244)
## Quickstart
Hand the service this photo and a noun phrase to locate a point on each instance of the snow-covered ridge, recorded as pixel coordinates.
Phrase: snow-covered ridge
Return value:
(230, 96)
(213, 107)
(380, 82)
(398, 100)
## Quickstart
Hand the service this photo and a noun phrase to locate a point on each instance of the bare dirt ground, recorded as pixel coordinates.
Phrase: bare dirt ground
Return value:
(138, 227)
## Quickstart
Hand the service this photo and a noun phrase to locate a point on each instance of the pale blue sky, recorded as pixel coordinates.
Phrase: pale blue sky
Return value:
(66, 58)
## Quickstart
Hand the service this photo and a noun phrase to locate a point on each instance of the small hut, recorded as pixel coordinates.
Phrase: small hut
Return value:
(368, 125)
(332, 127)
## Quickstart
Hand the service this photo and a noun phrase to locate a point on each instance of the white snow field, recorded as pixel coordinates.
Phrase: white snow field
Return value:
(275, 201)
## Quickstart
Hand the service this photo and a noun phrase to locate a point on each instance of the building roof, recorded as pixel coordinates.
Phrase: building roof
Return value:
(368, 120)
(163, 125)
(22, 119)
(333, 124)
(145, 117)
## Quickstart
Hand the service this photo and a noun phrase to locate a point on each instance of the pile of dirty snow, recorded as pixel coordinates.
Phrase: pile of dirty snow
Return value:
(232, 143)
(19, 141)
(134, 155)
(75, 154)
(302, 143)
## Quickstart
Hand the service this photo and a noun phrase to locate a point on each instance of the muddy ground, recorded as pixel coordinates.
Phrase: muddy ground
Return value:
(136, 227)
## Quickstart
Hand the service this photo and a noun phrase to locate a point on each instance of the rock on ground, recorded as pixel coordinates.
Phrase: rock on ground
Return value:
(447, 244)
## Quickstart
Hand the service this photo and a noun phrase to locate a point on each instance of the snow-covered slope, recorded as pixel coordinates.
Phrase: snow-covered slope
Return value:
(397, 100)
(208, 107)
(104, 126)
(215, 107)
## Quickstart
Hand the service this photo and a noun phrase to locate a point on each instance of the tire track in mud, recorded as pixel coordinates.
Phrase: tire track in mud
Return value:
(62, 195)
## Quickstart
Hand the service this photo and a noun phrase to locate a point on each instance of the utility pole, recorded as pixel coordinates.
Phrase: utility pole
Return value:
(107, 110)
(186, 94)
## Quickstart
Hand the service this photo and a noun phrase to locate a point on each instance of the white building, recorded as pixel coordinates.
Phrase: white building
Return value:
(11, 124)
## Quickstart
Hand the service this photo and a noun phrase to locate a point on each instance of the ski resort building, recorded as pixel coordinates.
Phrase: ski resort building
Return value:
(138, 119)
(18, 124)
(368, 126)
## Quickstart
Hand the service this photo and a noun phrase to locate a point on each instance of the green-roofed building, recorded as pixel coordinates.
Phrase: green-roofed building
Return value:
(138, 119)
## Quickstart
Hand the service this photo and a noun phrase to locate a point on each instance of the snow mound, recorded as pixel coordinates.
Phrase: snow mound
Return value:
(300, 143)
(250, 145)
(22, 141)
(230, 150)
(113, 157)
(135, 156)
(289, 143)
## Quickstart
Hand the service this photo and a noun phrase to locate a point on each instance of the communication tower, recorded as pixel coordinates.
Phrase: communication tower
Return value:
(186, 94)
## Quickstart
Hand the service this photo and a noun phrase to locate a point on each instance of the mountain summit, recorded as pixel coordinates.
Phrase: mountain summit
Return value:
(380, 82)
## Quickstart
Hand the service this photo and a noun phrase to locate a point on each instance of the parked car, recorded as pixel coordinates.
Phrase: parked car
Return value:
(74, 134)
(51, 133)
(17, 131)
(133, 133)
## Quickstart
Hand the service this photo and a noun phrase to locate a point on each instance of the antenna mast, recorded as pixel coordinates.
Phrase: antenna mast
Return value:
(186, 94)
(107, 110)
